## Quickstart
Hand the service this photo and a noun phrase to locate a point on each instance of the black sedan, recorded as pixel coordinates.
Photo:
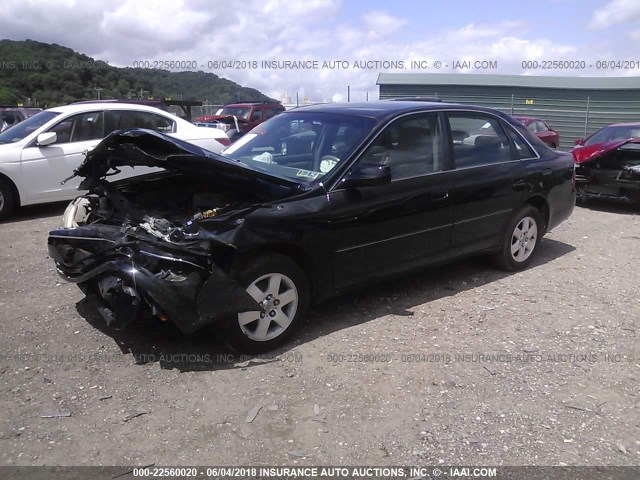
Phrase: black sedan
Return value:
(312, 203)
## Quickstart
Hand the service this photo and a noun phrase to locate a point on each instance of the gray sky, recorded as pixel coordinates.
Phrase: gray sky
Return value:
(122, 32)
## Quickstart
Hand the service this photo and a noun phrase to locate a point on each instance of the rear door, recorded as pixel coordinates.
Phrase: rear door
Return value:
(378, 230)
(489, 183)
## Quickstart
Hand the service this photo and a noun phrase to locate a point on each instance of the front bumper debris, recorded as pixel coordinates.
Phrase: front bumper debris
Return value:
(120, 278)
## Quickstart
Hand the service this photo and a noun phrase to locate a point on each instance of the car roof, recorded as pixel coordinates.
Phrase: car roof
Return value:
(382, 109)
(83, 107)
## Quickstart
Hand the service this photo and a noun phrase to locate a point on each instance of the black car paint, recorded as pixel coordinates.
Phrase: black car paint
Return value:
(341, 237)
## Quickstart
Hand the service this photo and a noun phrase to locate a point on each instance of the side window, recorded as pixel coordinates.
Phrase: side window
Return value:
(10, 118)
(542, 127)
(270, 112)
(483, 140)
(533, 127)
(125, 119)
(410, 146)
(522, 149)
(256, 115)
(80, 128)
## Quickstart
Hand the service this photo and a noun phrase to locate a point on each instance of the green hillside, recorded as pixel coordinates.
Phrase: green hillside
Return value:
(46, 75)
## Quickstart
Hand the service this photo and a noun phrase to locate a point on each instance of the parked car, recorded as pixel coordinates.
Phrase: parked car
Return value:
(12, 115)
(540, 128)
(608, 163)
(312, 203)
(236, 119)
(37, 154)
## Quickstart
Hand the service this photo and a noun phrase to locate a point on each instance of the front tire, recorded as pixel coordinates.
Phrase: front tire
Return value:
(7, 200)
(281, 287)
(521, 238)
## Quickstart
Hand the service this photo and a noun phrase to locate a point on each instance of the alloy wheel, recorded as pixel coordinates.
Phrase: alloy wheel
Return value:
(277, 295)
(524, 239)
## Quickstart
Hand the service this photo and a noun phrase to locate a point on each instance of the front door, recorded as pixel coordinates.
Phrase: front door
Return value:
(378, 230)
(44, 168)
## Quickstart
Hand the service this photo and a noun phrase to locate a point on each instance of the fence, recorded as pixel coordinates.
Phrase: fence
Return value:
(571, 118)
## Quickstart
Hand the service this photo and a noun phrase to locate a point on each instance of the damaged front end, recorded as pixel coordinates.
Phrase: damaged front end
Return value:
(126, 275)
(159, 244)
(610, 172)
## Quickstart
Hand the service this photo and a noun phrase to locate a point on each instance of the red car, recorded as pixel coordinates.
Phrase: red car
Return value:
(541, 129)
(608, 163)
(238, 118)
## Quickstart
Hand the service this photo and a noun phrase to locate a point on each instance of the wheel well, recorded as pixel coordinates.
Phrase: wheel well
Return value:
(541, 205)
(291, 251)
(13, 188)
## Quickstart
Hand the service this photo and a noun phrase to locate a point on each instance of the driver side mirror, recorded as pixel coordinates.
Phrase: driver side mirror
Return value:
(579, 141)
(47, 138)
(367, 176)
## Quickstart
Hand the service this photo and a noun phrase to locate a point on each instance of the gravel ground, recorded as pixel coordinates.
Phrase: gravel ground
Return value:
(459, 365)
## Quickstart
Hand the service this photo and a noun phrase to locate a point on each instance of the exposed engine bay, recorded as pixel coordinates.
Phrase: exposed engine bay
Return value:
(168, 207)
(613, 174)
(148, 247)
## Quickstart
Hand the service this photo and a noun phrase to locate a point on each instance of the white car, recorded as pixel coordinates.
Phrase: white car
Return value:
(37, 154)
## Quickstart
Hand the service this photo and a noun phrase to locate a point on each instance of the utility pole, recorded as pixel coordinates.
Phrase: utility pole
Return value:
(348, 93)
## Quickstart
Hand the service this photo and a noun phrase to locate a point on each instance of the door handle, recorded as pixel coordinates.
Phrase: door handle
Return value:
(519, 183)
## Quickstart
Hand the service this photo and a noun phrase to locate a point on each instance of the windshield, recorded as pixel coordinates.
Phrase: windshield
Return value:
(26, 127)
(609, 134)
(235, 111)
(301, 146)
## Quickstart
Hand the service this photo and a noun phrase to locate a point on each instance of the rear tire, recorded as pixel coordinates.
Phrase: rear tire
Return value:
(581, 197)
(521, 239)
(8, 199)
(281, 286)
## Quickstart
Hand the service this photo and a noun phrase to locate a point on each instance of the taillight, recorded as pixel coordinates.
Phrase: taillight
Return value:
(226, 142)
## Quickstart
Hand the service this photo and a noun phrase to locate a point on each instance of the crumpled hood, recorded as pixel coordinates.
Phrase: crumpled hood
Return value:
(141, 147)
(597, 150)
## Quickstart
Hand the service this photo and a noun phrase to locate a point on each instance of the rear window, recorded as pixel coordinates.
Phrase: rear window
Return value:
(125, 119)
